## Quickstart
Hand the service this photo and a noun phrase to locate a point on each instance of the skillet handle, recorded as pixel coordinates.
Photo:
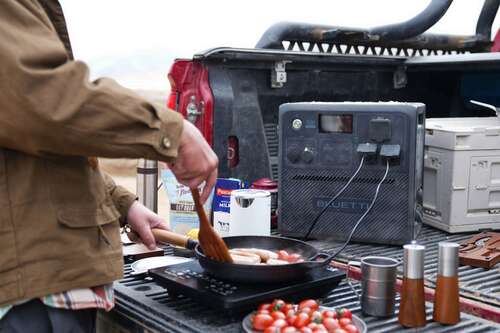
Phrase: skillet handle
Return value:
(164, 236)
(321, 255)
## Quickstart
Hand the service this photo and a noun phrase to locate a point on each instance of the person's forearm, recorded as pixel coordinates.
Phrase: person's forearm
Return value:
(48, 106)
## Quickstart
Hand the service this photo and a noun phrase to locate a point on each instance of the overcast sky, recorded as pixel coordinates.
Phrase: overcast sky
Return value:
(111, 35)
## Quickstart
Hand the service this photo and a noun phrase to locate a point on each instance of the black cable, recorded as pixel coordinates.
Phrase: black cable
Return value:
(334, 198)
(365, 213)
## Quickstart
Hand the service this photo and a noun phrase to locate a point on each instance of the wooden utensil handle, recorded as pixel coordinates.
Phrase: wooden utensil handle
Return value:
(170, 237)
(197, 204)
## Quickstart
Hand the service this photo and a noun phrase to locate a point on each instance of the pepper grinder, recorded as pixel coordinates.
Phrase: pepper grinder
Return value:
(446, 302)
(412, 305)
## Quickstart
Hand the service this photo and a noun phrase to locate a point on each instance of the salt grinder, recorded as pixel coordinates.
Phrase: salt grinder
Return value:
(412, 305)
(446, 303)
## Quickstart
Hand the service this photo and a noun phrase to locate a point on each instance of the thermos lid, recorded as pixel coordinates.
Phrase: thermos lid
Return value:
(448, 259)
(245, 197)
(265, 184)
(250, 193)
(413, 261)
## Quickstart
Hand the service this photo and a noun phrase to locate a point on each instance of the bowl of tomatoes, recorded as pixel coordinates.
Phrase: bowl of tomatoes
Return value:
(307, 316)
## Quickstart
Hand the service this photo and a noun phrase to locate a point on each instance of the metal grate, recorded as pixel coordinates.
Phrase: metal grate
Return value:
(340, 48)
(476, 283)
(150, 306)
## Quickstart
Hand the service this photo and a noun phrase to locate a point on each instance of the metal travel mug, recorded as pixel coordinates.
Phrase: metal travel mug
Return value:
(378, 285)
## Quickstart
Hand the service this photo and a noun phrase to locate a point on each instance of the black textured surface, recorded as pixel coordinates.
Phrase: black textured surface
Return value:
(378, 225)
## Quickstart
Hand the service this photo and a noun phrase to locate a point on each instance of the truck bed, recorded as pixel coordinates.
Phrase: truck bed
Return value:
(246, 105)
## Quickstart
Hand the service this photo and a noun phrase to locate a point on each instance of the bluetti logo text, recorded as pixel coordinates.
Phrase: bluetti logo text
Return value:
(344, 205)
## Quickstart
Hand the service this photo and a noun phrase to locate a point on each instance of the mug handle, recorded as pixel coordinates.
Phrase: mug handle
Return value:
(348, 278)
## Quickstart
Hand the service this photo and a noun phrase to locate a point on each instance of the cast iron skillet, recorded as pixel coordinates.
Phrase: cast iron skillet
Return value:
(265, 273)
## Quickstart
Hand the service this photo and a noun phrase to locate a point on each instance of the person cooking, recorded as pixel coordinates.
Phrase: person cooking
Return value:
(60, 247)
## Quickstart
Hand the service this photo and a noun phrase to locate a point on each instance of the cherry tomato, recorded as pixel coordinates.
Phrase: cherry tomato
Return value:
(301, 320)
(344, 321)
(263, 312)
(290, 313)
(278, 315)
(344, 313)
(316, 317)
(289, 329)
(272, 329)
(320, 327)
(312, 326)
(320, 330)
(280, 323)
(351, 328)
(329, 314)
(287, 307)
(277, 305)
(290, 320)
(340, 330)
(266, 306)
(293, 257)
(306, 330)
(306, 310)
(331, 324)
(309, 303)
(262, 321)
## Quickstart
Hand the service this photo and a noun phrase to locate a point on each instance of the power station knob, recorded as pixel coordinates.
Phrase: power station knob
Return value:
(293, 153)
(307, 155)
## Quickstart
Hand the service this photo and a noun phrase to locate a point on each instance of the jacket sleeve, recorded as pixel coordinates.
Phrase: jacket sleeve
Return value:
(120, 196)
(49, 107)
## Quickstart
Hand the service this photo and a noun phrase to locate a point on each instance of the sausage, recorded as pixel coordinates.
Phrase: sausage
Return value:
(277, 262)
(265, 255)
(245, 260)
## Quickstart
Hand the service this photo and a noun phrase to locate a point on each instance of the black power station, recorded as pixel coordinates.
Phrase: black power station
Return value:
(324, 145)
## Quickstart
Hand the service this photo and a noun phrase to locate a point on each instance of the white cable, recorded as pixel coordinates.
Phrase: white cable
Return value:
(335, 197)
(365, 213)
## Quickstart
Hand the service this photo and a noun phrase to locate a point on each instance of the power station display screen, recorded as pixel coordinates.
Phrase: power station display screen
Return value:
(335, 123)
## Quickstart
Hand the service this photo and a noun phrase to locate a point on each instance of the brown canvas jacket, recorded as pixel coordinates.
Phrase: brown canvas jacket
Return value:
(58, 214)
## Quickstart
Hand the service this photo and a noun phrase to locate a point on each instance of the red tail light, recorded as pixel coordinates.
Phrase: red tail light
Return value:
(496, 43)
(191, 95)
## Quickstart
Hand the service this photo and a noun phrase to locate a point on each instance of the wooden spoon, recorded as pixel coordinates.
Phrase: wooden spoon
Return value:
(211, 243)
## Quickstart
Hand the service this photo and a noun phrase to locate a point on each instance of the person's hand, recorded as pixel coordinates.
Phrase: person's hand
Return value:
(142, 220)
(196, 161)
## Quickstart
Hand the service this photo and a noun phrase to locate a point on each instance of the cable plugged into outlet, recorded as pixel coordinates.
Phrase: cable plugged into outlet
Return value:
(368, 151)
(390, 153)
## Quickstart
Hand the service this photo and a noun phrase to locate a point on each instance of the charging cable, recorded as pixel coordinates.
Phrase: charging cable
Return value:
(335, 198)
(366, 212)
(352, 263)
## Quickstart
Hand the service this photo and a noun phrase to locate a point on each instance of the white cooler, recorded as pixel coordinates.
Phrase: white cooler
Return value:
(462, 174)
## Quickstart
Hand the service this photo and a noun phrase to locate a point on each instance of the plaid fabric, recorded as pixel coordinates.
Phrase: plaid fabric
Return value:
(101, 297)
